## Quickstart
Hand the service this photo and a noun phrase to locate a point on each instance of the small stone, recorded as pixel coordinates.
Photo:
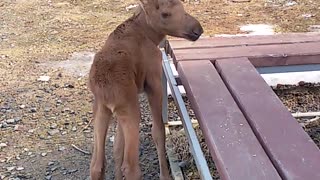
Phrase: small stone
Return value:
(54, 168)
(74, 128)
(2, 145)
(18, 127)
(11, 168)
(53, 132)
(69, 85)
(20, 168)
(4, 125)
(48, 177)
(72, 170)
(33, 110)
(10, 121)
(44, 78)
(31, 130)
(112, 138)
(64, 133)
(17, 119)
(61, 148)
(307, 15)
(53, 126)
(26, 149)
(22, 106)
(66, 109)
(29, 153)
(182, 164)
(50, 163)
(43, 154)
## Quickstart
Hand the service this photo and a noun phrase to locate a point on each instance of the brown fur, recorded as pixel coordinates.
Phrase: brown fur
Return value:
(128, 64)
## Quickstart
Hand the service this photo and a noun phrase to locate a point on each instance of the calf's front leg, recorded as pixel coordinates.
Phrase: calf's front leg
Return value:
(154, 93)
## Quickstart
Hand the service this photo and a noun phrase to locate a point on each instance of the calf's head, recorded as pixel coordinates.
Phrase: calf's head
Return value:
(169, 18)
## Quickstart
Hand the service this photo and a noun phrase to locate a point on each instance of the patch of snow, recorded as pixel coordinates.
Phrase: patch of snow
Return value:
(258, 29)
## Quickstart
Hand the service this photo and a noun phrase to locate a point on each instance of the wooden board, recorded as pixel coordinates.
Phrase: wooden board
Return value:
(215, 42)
(290, 148)
(234, 147)
(264, 55)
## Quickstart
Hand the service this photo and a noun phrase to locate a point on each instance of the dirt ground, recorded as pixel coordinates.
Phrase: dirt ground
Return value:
(40, 121)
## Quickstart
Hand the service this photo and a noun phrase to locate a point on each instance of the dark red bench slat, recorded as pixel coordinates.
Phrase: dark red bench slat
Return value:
(214, 42)
(264, 55)
(290, 148)
(232, 144)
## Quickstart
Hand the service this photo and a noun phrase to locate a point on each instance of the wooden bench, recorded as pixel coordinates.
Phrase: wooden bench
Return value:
(249, 132)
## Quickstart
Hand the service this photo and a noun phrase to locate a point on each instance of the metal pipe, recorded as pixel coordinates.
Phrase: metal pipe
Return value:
(195, 147)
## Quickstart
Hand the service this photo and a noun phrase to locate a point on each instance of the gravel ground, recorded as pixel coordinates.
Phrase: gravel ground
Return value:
(40, 120)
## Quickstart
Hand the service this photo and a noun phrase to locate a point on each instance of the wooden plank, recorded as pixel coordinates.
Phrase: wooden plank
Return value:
(290, 148)
(232, 144)
(214, 42)
(267, 55)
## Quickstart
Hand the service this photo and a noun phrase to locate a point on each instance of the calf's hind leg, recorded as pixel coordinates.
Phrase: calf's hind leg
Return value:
(128, 117)
(102, 116)
(118, 148)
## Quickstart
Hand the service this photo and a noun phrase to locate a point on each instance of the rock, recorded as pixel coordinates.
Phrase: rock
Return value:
(20, 168)
(18, 127)
(17, 119)
(33, 110)
(29, 153)
(4, 125)
(291, 3)
(74, 128)
(11, 168)
(31, 131)
(72, 171)
(50, 163)
(69, 85)
(43, 154)
(182, 164)
(64, 133)
(15, 178)
(53, 132)
(54, 168)
(26, 149)
(10, 121)
(53, 126)
(61, 148)
(307, 15)
(44, 78)
(48, 177)
(2, 145)
(22, 106)
(87, 131)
